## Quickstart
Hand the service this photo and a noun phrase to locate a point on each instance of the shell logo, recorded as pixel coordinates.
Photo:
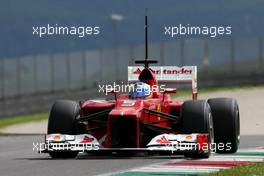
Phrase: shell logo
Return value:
(56, 138)
(188, 137)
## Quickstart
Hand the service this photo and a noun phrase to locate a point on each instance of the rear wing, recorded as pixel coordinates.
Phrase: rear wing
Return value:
(168, 74)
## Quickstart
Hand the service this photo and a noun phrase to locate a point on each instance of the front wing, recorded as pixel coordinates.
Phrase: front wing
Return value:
(173, 143)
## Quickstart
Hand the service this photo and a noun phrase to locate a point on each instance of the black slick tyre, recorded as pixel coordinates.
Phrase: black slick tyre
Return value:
(62, 119)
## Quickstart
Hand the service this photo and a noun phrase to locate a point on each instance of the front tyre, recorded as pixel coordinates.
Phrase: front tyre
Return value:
(226, 124)
(197, 118)
(62, 119)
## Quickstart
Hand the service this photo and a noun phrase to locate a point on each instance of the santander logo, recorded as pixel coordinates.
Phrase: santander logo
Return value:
(87, 139)
(137, 71)
(163, 140)
(166, 71)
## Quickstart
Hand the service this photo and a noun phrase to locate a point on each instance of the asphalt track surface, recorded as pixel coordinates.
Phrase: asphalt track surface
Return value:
(17, 158)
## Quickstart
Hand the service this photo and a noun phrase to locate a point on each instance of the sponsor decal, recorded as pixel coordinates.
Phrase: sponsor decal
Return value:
(137, 71)
(87, 139)
(188, 138)
(56, 138)
(165, 71)
(128, 103)
(152, 107)
(159, 110)
(163, 140)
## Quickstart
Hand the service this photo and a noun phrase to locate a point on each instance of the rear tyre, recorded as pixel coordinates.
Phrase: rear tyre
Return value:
(225, 113)
(197, 118)
(62, 119)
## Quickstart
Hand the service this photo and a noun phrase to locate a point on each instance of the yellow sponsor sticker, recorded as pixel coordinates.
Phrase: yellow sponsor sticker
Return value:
(159, 110)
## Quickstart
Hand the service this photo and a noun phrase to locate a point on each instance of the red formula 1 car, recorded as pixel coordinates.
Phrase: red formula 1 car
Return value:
(148, 120)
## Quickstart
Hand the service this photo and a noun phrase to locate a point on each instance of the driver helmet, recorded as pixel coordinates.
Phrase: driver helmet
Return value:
(140, 90)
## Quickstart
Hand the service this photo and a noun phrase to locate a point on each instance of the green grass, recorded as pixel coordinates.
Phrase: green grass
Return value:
(7, 121)
(246, 170)
(256, 169)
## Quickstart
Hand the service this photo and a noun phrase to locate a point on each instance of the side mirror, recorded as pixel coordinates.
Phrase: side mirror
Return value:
(168, 91)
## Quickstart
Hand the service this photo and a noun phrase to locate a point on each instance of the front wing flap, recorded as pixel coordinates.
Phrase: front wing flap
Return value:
(64, 142)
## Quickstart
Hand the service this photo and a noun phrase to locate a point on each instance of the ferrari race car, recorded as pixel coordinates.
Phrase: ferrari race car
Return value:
(145, 119)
